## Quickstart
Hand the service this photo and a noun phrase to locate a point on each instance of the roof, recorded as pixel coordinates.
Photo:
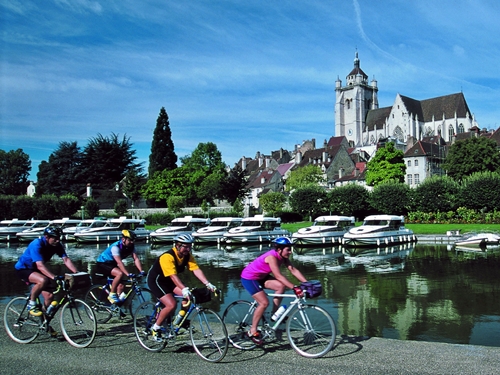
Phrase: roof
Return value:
(424, 149)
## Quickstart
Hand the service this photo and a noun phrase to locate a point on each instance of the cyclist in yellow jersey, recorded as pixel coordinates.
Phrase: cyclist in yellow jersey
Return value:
(164, 280)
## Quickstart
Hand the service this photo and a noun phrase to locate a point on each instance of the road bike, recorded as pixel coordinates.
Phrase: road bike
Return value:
(77, 319)
(310, 328)
(97, 298)
(207, 332)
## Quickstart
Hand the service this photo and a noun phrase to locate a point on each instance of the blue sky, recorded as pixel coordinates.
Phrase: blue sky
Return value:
(246, 75)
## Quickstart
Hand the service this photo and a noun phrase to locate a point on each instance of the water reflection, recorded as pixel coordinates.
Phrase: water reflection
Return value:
(409, 292)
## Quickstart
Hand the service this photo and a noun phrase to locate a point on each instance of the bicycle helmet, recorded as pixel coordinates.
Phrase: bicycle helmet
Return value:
(282, 242)
(184, 238)
(55, 232)
(129, 234)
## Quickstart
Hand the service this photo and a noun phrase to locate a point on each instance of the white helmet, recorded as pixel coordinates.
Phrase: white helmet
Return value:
(184, 238)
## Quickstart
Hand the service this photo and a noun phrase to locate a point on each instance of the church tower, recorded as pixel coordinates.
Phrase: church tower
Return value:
(352, 103)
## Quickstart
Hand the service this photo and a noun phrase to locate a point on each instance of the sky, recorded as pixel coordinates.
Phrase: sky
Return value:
(246, 75)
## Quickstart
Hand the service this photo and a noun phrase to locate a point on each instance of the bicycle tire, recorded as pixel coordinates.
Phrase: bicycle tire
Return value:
(311, 331)
(78, 323)
(137, 299)
(97, 298)
(21, 327)
(208, 335)
(238, 320)
(144, 318)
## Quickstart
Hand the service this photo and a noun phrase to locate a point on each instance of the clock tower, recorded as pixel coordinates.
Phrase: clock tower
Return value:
(352, 103)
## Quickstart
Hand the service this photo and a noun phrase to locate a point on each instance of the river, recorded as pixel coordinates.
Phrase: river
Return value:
(417, 292)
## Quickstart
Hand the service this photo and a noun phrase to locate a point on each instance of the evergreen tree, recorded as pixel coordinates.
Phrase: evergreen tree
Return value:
(162, 155)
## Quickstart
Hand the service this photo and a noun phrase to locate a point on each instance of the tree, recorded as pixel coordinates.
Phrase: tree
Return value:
(481, 191)
(176, 203)
(301, 177)
(435, 194)
(62, 174)
(349, 200)
(234, 188)
(478, 154)
(390, 197)
(14, 171)
(272, 202)
(387, 164)
(162, 148)
(133, 185)
(308, 201)
(107, 160)
(165, 184)
(205, 162)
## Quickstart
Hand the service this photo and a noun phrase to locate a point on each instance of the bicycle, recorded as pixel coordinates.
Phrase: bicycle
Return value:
(77, 320)
(310, 328)
(97, 298)
(207, 331)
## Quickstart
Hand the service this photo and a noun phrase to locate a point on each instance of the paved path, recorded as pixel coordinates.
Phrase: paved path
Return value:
(115, 351)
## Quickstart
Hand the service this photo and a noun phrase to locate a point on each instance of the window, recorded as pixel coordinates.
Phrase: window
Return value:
(461, 128)
(409, 163)
(451, 133)
(416, 163)
(408, 179)
(417, 179)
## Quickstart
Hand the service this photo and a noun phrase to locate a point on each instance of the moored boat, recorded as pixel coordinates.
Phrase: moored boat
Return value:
(326, 229)
(214, 232)
(35, 230)
(69, 231)
(256, 229)
(479, 240)
(112, 231)
(186, 224)
(9, 229)
(379, 230)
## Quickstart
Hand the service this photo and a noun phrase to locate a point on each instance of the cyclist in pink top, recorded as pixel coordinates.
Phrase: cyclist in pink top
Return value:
(257, 275)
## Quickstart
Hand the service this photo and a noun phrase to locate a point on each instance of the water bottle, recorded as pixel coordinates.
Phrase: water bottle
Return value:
(52, 308)
(278, 313)
(179, 317)
(122, 296)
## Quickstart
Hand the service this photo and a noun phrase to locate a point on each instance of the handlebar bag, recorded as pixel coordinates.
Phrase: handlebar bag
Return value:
(202, 295)
(312, 288)
(80, 280)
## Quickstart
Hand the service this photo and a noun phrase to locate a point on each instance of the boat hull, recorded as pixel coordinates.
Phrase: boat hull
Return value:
(107, 236)
(254, 237)
(379, 239)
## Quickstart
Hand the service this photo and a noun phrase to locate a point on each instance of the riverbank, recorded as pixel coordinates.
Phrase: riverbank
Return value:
(351, 355)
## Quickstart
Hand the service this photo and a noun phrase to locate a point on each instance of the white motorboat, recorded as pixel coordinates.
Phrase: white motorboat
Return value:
(379, 230)
(112, 230)
(215, 230)
(35, 230)
(479, 240)
(186, 224)
(326, 229)
(256, 229)
(9, 229)
(69, 231)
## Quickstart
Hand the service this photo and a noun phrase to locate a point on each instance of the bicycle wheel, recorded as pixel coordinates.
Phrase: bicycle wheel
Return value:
(78, 323)
(144, 318)
(137, 299)
(208, 335)
(97, 298)
(311, 331)
(19, 324)
(238, 319)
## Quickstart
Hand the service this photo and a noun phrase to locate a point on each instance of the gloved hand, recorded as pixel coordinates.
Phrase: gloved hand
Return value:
(186, 293)
(211, 286)
(298, 291)
(131, 275)
(142, 273)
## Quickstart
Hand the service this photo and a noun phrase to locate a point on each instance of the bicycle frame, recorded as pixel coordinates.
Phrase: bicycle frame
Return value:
(296, 303)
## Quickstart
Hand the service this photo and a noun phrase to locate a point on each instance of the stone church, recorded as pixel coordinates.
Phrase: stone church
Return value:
(359, 118)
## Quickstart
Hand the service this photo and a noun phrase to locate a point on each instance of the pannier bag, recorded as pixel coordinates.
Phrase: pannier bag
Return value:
(312, 288)
(202, 295)
(80, 280)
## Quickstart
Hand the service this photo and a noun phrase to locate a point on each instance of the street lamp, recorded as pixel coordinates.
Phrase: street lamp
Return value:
(208, 210)
(82, 208)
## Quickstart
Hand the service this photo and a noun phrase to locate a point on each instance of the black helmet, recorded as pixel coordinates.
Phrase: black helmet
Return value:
(55, 232)
(129, 234)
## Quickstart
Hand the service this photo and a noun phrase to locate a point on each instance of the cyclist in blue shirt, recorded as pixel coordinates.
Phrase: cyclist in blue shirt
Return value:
(31, 267)
(110, 262)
